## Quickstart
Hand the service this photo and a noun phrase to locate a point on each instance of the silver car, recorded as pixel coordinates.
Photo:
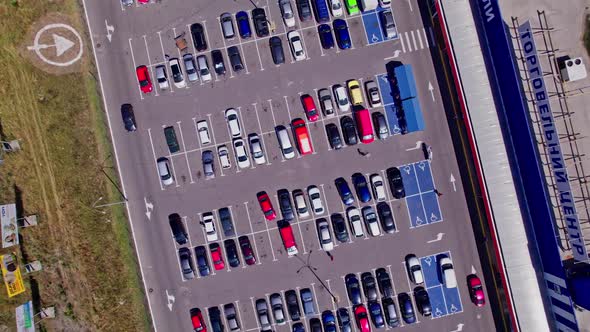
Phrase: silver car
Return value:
(388, 24)
(227, 25)
(162, 77)
(263, 317)
(189, 66)
(276, 303)
(186, 263)
(127, 3)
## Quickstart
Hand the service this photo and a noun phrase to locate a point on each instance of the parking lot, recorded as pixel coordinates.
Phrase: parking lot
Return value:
(430, 220)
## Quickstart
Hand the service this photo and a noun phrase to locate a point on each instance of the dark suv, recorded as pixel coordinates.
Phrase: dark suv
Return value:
(396, 184)
(198, 34)
(285, 204)
(226, 222)
(177, 227)
(260, 22)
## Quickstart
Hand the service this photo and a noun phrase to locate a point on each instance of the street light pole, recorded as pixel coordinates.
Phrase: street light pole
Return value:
(312, 269)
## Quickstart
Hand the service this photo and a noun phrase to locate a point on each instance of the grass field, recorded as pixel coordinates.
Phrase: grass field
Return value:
(90, 272)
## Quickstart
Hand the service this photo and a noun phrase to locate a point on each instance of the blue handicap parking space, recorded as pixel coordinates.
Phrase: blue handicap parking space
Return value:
(421, 200)
(392, 121)
(444, 301)
(416, 211)
(373, 29)
(385, 88)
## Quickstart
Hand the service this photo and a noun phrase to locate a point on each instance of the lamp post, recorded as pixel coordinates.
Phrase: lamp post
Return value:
(312, 269)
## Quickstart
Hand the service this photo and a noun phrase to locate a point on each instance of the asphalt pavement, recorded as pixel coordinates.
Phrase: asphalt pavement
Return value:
(267, 95)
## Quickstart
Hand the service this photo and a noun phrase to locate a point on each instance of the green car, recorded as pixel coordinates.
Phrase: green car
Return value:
(171, 139)
(352, 6)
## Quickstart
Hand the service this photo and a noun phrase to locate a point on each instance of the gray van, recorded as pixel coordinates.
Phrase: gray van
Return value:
(227, 26)
(307, 301)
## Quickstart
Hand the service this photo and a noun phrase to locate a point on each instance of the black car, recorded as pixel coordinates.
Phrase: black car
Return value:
(171, 140)
(406, 308)
(396, 184)
(231, 250)
(353, 288)
(198, 34)
(376, 314)
(348, 130)
(177, 227)
(339, 227)
(226, 222)
(128, 117)
(386, 217)
(215, 319)
(293, 305)
(304, 9)
(326, 39)
(369, 286)
(384, 282)
(235, 59)
(276, 50)
(361, 187)
(334, 136)
(285, 204)
(391, 316)
(422, 301)
(202, 262)
(260, 22)
(315, 325)
(344, 320)
(218, 63)
(380, 125)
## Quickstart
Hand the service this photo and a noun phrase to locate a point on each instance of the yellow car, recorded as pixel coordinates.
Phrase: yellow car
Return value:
(356, 94)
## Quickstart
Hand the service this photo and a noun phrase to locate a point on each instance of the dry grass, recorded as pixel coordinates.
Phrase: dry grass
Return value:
(90, 273)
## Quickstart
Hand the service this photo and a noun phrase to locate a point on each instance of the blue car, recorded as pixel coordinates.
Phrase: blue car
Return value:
(344, 191)
(353, 288)
(406, 308)
(376, 314)
(342, 35)
(329, 321)
(202, 263)
(298, 327)
(362, 188)
(326, 38)
(243, 25)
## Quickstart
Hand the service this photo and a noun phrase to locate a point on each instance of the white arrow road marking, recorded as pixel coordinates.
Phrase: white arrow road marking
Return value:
(170, 299)
(452, 179)
(431, 89)
(395, 55)
(149, 207)
(410, 4)
(418, 146)
(459, 327)
(110, 30)
(473, 271)
(439, 237)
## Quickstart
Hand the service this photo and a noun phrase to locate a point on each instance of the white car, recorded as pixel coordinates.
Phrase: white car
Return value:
(354, 219)
(177, 76)
(233, 122)
(189, 66)
(164, 172)
(300, 204)
(316, 200)
(224, 157)
(414, 269)
(296, 45)
(209, 224)
(241, 154)
(256, 149)
(373, 94)
(341, 98)
(203, 130)
(325, 235)
(385, 3)
(336, 8)
(378, 187)
(162, 77)
(371, 221)
(287, 12)
(447, 272)
(204, 71)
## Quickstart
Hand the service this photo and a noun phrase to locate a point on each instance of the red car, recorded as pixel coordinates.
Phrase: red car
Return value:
(302, 136)
(143, 76)
(266, 206)
(247, 250)
(476, 290)
(216, 256)
(309, 106)
(197, 320)
(143, 1)
(362, 320)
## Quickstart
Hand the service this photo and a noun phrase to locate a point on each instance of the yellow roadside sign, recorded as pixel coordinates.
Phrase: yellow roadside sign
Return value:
(11, 275)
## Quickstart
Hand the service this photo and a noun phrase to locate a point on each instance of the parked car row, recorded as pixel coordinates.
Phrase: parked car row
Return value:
(287, 207)
(377, 187)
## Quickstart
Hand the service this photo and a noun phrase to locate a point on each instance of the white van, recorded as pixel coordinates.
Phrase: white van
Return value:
(164, 172)
(285, 142)
(447, 272)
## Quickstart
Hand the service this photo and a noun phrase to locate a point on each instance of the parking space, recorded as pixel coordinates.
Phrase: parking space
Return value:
(445, 301)
(373, 25)
(421, 197)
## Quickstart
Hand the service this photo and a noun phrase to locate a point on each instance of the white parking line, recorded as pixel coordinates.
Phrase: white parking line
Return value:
(315, 92)
(180, 60)
(254, 308)
(165, 60)
(257, 49)
(150, 64)
(185, 155)
(315, 297)
(252, 231)
(155, 158)
(264, 146)
(134, 69)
